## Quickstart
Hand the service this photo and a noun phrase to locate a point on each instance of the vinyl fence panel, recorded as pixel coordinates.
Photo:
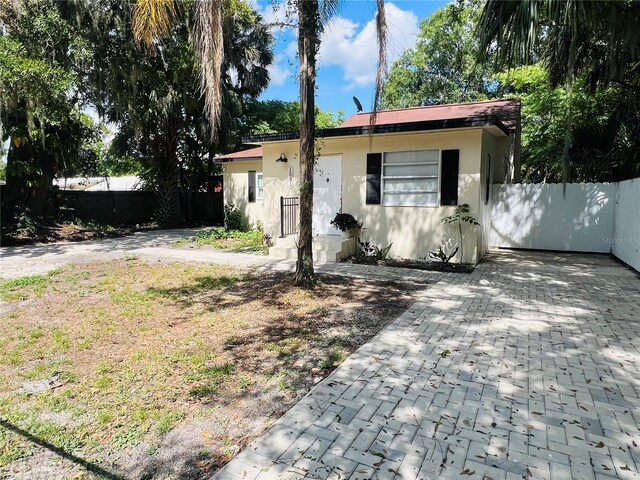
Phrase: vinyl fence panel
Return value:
(625, 242)
(541, 217)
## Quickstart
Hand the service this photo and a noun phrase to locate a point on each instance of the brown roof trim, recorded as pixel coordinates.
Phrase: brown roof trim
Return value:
(236, 159)
(468, 122)
(249, 154)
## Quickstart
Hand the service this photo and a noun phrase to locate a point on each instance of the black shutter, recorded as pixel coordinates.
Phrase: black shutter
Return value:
(252, 186)
(374, 175)
(449, 177)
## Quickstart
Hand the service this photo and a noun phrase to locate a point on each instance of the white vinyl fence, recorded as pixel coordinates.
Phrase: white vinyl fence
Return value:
(587, 217)
(625, 241)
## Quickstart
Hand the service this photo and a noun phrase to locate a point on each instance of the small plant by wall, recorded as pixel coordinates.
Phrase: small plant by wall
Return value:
(461, 215)
(369, 252)
(345, 222)
(443, 255)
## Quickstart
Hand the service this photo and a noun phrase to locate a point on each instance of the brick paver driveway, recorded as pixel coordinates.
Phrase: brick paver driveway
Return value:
(527, 368)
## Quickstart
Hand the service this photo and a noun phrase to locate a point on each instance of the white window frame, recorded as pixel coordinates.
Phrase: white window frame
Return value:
(384, 177)
(259, 191)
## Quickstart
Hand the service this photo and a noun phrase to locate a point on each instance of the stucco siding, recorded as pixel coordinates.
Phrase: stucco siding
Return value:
(236, 189)
(494, 148)
(413, 230)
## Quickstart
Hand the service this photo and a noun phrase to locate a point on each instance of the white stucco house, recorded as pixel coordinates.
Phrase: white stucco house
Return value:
(399, 177)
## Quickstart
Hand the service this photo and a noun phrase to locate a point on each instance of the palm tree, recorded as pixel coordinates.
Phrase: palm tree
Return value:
(156, 100)
(313, 15)
(597, 39)
(600, 39)
(152, 20)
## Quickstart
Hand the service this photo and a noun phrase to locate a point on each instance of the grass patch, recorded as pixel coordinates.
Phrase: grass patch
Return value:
(22, 288)
(210, 379)
(251, 241)
(128, 352)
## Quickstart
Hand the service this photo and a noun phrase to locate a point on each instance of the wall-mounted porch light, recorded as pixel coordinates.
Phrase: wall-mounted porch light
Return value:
(282, 158)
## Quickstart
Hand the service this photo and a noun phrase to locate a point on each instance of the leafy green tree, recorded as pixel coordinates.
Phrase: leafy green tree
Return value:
(545, 120)
(89, 159)
(584, 45)
(328, 119)
(41, 57)
(442, 67)
(278, 116)
(157, 102)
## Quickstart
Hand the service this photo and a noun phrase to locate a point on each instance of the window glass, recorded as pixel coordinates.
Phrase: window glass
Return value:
(260, 186)
(411, 178)
(428, 169)
(418, 156)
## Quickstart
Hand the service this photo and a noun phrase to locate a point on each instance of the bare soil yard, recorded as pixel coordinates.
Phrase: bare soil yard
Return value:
(66, 232)
(127, 369)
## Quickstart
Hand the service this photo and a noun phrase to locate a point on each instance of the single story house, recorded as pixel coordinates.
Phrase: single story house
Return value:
(399, 178)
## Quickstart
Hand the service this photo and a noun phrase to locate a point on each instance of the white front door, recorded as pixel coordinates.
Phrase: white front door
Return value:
(327, 194)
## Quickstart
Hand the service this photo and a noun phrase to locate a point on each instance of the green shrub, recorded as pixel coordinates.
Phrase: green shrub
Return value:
(253, 240)
(26, 224)
(234, 218)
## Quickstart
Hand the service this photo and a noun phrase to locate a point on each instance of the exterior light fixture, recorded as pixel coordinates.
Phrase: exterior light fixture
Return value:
(282, 158)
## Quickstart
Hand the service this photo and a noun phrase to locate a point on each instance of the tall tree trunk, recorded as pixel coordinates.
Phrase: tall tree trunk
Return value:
(308, 43)
(14, 201)
(168, 211)
(461, 241)
(210, 215)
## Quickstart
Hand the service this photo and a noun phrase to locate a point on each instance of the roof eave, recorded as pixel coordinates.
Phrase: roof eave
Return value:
(427, 125)
(236, 159)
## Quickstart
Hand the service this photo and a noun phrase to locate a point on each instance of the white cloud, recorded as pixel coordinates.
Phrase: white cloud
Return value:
(279, 71)
(279, 16)
(292, 50)
(356, 52)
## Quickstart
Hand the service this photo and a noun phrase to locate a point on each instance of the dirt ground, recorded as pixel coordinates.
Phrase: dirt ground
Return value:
(126, 369)
(67, 232)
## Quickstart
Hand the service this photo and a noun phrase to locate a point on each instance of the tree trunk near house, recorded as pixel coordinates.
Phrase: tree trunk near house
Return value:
(209, 210)
(308, 43)
(15, 192)
(168, 211)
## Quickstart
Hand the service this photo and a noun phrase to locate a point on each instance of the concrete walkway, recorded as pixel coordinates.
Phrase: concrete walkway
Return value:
(21, 261)
(527, 368)
(38, 259)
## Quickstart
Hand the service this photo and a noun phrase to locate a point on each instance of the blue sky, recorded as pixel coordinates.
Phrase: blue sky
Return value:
(348, 54)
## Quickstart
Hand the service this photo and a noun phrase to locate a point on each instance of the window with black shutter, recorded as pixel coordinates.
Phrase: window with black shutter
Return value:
(374, 176)
(449, 177)
(252, 186)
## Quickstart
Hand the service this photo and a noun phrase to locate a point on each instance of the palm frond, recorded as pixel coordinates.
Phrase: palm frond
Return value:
(328, 9)
(510, 27)
(152, 20)
(209, 41)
